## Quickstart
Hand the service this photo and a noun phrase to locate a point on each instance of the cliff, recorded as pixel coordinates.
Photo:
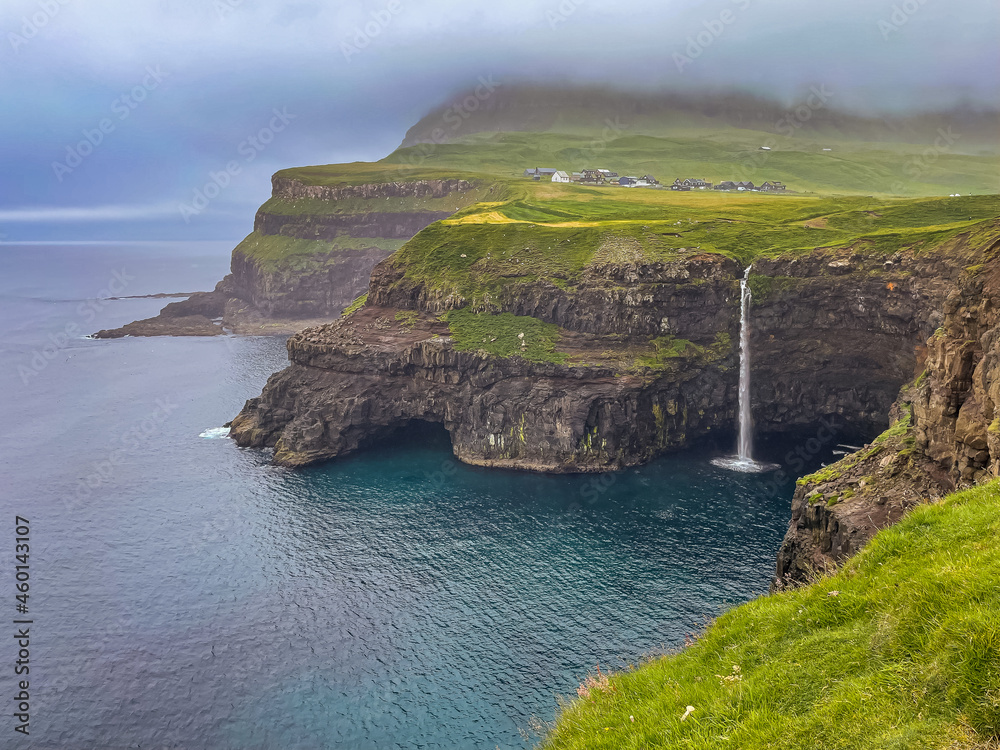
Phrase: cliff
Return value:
(611, 362)
(311, 253)
(945, 435)
(586, 402)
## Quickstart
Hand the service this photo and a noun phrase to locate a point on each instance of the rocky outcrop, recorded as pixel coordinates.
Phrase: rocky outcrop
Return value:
(835, 335)
(392, 225)
(946, 435)
(321, 285)
(265, 294)
(361, 378)
(285, 187)
(836, 511)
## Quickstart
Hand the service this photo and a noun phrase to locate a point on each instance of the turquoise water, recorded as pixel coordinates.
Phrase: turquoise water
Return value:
(186, 594)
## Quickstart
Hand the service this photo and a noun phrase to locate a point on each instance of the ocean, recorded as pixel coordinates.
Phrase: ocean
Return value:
(184, 593)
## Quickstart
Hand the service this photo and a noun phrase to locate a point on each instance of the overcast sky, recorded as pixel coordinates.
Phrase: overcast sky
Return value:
(170, 92)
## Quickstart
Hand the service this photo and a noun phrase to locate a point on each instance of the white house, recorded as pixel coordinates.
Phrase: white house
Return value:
(561, 176)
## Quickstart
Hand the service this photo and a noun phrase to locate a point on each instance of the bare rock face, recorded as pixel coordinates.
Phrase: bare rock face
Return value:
(357, 380)
(957, 408)
(835, 335)
(836, 511)
(946, 434)
(281, 298)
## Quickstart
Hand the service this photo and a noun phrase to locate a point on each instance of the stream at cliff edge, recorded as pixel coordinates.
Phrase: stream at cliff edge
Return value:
(185, 594)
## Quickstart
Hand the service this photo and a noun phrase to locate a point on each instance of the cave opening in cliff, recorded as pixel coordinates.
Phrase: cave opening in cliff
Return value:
(414, 432)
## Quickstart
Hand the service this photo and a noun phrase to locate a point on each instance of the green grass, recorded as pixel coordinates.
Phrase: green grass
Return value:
(554, 232)
(668, 349)
(498, 335)
(901, 428)
(715, 155)
(356, 304)
(406, 318)
(273, 251)
(899, 650)
(393, 204)
(847, 197)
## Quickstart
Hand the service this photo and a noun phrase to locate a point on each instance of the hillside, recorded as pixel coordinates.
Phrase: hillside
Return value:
(899, 649)
(816, 114)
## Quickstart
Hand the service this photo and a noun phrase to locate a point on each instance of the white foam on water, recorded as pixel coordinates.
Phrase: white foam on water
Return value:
(215, 433)
(745, 465)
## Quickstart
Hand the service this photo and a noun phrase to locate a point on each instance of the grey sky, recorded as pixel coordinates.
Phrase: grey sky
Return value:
(354, 75)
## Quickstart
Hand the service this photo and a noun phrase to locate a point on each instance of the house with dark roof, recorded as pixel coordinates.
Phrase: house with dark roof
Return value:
(592, 175)
(773, 186)
(726, 185)
(745, 186)
(538, 173)
(628, 181)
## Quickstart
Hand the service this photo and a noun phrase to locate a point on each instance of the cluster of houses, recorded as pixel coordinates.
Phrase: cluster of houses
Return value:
(607, 177)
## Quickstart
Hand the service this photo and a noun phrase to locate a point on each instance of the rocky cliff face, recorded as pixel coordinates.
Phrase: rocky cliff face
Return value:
(359, 379)
(383, 367)
(345, 233)
(946, 431)
(836, 333)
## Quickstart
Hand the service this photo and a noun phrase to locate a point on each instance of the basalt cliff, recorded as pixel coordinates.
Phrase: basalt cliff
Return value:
(642, 359)
(310, 254)
(945, 435)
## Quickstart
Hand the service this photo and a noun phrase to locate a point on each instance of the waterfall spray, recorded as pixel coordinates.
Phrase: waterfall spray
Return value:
(745, 449)
(743, 461)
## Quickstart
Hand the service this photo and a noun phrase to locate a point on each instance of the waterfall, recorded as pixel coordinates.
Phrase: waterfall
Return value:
(743, 460)
(745, 449)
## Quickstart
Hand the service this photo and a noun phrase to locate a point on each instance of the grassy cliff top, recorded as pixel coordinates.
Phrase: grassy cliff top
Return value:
(274, 251)
(555, 232)
(850, 167)
(848, 196)
(900, 649)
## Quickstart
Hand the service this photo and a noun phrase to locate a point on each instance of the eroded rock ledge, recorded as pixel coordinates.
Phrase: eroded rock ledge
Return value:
(836, 334)
(284, 295)
(360, 378)
(945, 436)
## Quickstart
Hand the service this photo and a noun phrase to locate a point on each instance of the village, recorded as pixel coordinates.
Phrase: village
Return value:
(607, 177)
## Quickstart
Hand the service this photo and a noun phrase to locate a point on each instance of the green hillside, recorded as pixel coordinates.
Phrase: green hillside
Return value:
(554, 232)
(817, 112)
(896, 169)
(854, 168)
(898, 651)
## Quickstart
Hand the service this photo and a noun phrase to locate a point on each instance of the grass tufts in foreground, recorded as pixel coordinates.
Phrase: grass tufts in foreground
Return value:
(899, 650)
